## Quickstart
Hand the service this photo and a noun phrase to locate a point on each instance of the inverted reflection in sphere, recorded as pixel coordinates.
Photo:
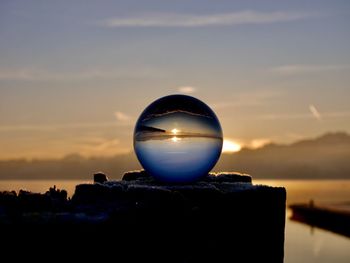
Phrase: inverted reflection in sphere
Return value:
(178, 139)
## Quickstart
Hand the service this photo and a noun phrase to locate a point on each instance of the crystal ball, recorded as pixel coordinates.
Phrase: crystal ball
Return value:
(178, 139)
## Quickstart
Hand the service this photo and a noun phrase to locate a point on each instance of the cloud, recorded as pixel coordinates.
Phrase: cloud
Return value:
(296, 116)
(120, 116)
(192, 20)
(258, 143)
(54, 127)
(248, 99)
(294, 69)
(102, 147)
(187, 89)
(38, 74)
(106, 145)
(34, 74)
(315, 112)
(230, 145)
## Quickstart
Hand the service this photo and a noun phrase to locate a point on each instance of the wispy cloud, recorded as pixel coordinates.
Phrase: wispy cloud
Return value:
(249, 99)
(187, 89)
(306, 115)
(106, 147)
(54, 127)
(89, 146)
(315, 112)
(121, 116)
(38, 74)
(35, 74)
(294, 69)
(192, 20)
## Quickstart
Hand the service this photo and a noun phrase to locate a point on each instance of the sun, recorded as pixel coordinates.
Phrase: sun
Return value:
(231, 146)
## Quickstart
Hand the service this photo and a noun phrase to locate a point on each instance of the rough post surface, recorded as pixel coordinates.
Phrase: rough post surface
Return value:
(222, 218)
(100, 177)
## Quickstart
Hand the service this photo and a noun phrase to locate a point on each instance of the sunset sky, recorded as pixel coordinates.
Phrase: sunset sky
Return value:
(75, 75)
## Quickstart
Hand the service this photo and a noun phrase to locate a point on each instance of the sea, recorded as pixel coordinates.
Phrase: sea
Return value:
(303, 243)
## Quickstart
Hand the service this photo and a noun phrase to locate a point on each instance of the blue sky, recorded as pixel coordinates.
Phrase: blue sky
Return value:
(75, 75)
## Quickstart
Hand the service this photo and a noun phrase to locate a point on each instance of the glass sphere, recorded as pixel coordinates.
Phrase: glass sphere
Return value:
(178, 139)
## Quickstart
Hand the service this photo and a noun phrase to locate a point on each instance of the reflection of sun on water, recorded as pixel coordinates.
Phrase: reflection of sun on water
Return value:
(175, 139)
(230, 146)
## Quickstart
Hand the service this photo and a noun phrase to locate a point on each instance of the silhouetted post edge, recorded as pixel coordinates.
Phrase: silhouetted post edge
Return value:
(222, 216)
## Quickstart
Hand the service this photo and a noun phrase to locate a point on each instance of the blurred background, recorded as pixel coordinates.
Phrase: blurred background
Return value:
(75, 76)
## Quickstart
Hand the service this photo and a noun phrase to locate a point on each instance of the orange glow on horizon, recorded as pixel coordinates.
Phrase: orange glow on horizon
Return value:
(230, 146)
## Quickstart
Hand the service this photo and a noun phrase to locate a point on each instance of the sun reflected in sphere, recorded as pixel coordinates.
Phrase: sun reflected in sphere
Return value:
(178, 139)
(175, 131)
(175, 139)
